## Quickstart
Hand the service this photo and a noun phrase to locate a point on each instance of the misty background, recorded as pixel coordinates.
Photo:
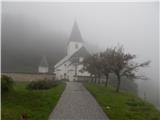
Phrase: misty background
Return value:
(33, 29)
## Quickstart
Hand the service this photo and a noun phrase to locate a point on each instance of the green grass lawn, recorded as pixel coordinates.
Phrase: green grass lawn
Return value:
(123, 105)
(36, 103)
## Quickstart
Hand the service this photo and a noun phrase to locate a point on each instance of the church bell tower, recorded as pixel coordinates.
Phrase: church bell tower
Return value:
(75, 41)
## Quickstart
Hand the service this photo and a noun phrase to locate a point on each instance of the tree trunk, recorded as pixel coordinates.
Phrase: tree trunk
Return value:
(91, 78)
(106, 84)
(99, 79)
(95, 79)
(119, 83)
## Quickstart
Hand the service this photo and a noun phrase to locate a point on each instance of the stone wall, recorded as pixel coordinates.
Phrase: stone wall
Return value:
(22, 77)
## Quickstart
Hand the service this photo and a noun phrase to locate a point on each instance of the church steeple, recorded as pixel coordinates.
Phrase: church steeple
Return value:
(75, 34)
(75, 40)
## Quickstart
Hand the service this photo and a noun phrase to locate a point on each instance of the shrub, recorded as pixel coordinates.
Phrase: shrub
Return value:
(6, 83)
(41, 84)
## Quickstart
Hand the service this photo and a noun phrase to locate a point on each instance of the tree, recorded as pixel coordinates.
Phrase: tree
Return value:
(93, 64)
(122, 65)
(89, 65)
(106, 67)
(98, 66)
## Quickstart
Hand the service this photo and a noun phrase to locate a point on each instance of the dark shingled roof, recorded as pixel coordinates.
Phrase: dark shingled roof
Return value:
(44, 62)
(82, 52)
(75, 34)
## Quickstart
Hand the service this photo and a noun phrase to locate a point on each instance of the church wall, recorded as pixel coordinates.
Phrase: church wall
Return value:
(67, 71)
(71, 72)
(60, 72)
(84, 73)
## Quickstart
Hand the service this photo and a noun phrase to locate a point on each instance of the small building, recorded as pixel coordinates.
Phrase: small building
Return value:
(70, 67)
(43, 67)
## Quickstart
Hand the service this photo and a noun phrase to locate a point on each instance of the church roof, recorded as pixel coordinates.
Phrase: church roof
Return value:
(44, 62)
(75, 34)
(82, 52)
(62, 61)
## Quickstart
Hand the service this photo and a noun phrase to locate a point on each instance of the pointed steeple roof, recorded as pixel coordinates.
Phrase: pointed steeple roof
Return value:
(44, 62)
(75, 34)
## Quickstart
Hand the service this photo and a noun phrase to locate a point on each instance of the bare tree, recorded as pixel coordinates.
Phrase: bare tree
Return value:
(106, 67)
(89, 65)
(98, 66)
(93, 64)
(122, 65)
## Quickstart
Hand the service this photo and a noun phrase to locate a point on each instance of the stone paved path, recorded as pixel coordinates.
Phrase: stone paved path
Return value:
(76, 103)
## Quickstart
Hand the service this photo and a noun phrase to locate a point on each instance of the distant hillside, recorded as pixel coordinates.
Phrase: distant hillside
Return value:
(24, 42)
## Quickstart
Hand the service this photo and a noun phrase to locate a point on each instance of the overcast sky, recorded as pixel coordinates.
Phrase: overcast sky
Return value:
(135, 25)
(103, 24)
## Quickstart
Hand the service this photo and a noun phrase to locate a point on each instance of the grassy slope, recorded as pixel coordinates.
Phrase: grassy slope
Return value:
(122, 106)
(37, 104)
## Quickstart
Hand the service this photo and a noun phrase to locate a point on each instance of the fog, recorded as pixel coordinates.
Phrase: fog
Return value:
(102, 25)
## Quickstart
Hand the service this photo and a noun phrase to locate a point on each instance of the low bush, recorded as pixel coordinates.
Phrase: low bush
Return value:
(41, 84)
(6, 83)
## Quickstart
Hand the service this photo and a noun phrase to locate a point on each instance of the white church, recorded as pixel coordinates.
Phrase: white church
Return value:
(70, 67)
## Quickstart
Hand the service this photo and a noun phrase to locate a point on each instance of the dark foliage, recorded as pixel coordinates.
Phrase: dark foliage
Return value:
(41, 84)
(6, 83)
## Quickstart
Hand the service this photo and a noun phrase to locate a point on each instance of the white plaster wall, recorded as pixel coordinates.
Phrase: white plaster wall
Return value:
(71, 47)
(81, 59)
(60, 72)
(69, 69)
(84, 73)
(71, 72)
(43, 69)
